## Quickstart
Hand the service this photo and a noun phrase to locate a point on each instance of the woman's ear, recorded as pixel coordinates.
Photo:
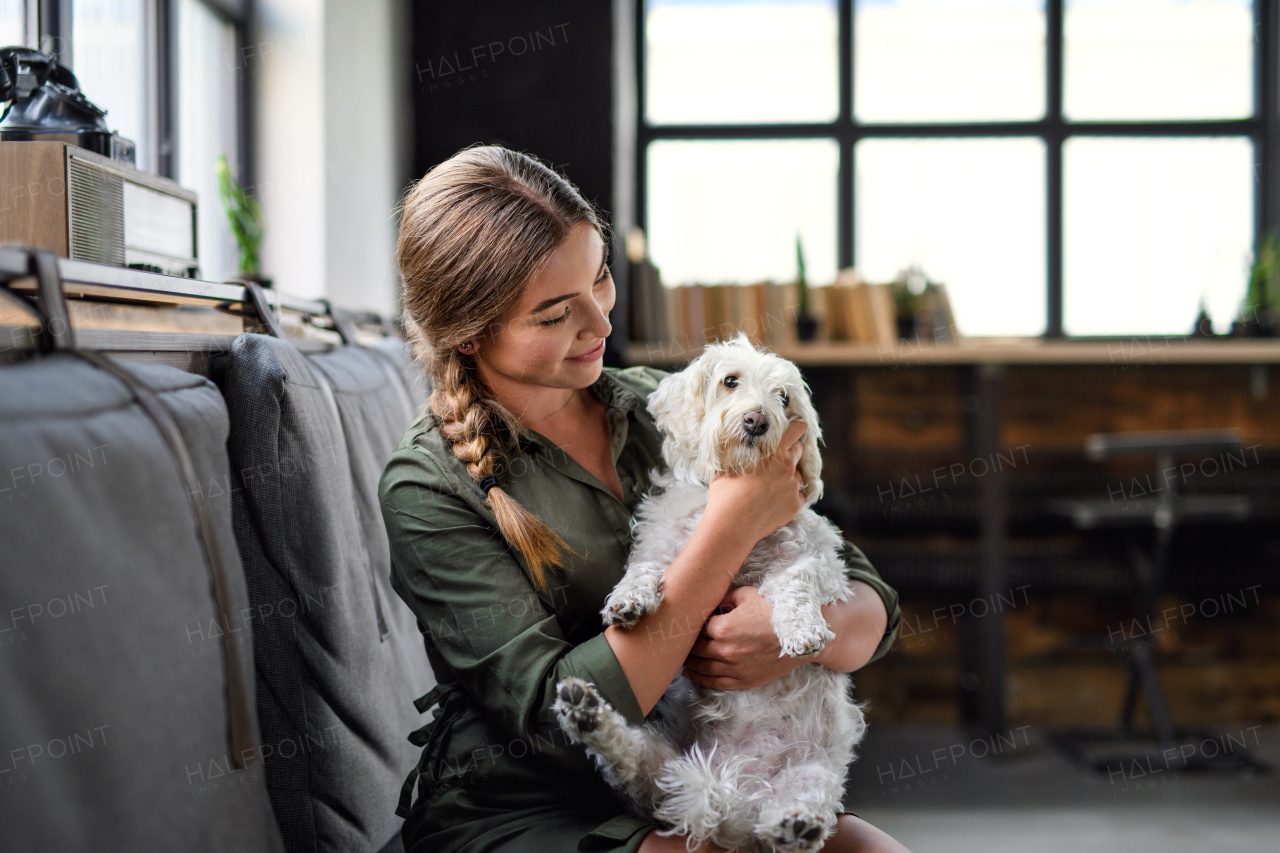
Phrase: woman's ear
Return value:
(810, 457)
(678, 407)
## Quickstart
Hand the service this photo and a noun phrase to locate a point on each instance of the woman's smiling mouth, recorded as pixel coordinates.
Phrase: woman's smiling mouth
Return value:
(590, 355)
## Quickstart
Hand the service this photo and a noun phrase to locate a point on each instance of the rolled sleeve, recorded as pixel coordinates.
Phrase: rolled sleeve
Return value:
(859, 568)
(600, 666)
(479, 611)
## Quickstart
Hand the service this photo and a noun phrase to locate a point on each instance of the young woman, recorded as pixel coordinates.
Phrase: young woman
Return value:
(508, 506)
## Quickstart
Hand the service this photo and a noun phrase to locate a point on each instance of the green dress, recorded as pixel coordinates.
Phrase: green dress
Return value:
(496, 772)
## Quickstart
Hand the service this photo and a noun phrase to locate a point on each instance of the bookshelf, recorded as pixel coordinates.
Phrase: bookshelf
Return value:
(1147, 350)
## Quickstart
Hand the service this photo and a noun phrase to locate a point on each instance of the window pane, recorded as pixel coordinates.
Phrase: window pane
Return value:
(207, 126)
(970, 213)
(109, 52)
(1151, 227)
(729, 211)
(13, 22)
(947, 60)
(1158, 59)
(721, 61)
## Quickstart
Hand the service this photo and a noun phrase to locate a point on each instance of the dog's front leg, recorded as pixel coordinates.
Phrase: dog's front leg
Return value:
(797, 611)
(637, 595)
(640, 591)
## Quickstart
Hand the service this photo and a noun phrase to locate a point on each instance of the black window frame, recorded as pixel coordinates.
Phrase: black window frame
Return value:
(54, 32)
(1263, 128)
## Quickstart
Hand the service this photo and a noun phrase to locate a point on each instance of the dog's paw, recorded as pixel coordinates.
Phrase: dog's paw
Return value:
(806, 641)
(795, 830)
(625, 607)
(579, 707)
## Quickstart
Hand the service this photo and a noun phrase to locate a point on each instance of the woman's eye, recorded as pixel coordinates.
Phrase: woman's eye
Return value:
(731, 382)
(555, 320)
(786, 401)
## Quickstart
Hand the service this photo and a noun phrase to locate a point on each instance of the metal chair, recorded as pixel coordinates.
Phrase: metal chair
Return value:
(1162, 508)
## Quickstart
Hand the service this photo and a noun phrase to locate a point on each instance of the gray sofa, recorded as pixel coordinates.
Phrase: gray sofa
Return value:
(200, 649)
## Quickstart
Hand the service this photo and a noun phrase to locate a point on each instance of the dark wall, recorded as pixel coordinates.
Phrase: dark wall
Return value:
(533, 76)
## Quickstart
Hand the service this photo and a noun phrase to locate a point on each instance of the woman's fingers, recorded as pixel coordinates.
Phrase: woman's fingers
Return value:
(713, 674)
(733, 596)
(706, 666)
(791, 435)
(792, 448)
(706, 650)
(716, 682)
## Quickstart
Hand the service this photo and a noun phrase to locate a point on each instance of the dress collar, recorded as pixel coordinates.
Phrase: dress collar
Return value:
(618, 399)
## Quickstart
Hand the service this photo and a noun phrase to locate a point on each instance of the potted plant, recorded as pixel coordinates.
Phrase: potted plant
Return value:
(908, 291)
(1204, 323)
(245, 216)
(1260, 314)
(806, 323)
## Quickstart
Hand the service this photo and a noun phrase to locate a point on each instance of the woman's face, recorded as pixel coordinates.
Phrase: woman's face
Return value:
(554, 335)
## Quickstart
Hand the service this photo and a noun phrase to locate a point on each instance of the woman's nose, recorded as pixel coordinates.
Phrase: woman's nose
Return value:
(597, 325)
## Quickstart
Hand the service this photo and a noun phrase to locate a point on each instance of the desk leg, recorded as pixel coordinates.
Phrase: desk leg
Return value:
(987, 654)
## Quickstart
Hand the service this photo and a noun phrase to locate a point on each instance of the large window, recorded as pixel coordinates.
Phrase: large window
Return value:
(208, 125)
(1082, 167)
(13, 22)
(109, 52)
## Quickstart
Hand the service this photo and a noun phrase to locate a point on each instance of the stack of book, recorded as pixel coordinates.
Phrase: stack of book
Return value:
(856, 311)
(848, 311)
(689, 317)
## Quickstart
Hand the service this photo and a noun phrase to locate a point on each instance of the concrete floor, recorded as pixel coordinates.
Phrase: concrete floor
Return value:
(935, 790)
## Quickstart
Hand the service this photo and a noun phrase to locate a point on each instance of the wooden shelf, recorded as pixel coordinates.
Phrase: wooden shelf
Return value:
(1152, 350)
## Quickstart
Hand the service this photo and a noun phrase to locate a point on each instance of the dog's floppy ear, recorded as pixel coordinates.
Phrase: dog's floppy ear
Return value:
(678, 406)
(810, 457)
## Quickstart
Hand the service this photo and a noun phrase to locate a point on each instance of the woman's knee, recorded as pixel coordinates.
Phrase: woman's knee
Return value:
(655, 843)
(855, 835)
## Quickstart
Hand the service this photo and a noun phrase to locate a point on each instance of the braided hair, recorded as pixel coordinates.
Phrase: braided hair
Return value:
(473, 232)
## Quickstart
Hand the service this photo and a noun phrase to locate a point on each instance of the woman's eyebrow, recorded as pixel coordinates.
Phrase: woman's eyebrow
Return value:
(547, 303)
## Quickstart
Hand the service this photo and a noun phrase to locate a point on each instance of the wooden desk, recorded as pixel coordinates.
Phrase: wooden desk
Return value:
(983, 365)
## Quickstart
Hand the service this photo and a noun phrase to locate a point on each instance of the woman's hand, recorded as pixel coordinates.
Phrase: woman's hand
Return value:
(757, 503)
(738, 647)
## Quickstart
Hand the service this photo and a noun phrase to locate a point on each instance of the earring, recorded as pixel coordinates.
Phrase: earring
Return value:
(468, 348)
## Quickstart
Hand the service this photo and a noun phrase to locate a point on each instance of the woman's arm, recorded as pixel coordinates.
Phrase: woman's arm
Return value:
(650, 652)
(859, 624)
(741, 510)
(741, 648)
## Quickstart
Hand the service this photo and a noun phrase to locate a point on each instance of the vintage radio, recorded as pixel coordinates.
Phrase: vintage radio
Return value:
(89, 207)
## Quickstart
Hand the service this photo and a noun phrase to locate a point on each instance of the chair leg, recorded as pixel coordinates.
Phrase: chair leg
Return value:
(1142, 668)
(1130, 698)
(1157, 708)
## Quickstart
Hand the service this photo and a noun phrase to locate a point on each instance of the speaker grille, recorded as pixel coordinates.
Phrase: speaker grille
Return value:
(97, 213)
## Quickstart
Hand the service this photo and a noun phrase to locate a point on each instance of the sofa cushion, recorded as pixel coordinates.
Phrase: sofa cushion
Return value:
(114, 708)
(339, 659)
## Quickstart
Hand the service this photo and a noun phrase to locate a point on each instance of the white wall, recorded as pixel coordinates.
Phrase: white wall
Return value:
(331, 122)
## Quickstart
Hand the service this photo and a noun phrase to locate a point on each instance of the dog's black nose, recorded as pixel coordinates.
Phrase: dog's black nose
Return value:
(756, 423)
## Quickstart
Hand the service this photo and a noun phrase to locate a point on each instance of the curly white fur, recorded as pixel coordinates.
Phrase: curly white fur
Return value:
(760, 768)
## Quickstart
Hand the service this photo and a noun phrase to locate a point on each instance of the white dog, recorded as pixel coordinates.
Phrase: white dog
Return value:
(760, 768)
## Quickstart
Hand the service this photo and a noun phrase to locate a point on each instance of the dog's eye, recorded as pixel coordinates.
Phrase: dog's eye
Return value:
(731, 381)
(786, 401)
